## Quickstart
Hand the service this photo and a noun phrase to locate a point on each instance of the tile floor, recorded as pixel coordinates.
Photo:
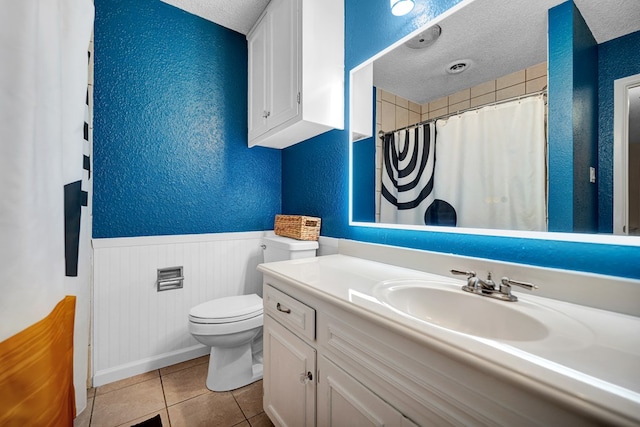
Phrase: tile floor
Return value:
(179, 394)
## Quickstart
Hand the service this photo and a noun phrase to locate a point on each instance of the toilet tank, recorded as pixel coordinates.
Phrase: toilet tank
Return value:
(278, 248)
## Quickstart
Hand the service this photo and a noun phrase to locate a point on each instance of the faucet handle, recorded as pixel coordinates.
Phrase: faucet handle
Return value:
(469, 274)
(505, 289)
(473, 282)
(508, 282)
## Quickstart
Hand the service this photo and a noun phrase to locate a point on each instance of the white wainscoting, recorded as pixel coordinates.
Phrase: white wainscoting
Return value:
(137, 329)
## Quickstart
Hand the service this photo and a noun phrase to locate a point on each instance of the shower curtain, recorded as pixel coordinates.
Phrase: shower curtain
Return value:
(491, 166)
(407, 175)
(43, 87)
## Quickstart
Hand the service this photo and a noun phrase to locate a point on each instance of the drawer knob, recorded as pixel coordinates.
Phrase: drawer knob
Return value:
(305, 378)
(283, 310)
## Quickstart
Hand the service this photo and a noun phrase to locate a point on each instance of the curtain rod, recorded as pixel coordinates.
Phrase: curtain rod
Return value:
(382, 133)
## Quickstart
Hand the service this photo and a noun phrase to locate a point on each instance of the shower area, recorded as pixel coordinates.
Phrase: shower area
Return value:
(489, 138)
(45, 214)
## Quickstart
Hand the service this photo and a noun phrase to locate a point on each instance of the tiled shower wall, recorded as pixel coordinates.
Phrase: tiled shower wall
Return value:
(136, 328)
(394, 112)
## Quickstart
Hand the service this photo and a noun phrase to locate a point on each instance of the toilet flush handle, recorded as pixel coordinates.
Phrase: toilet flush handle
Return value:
(284, 310)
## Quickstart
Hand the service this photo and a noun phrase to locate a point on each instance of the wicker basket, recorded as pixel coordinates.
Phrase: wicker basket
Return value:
(297, 227)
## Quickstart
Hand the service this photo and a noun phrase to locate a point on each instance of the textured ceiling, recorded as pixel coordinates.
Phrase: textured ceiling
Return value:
(238, 15)
(496, 38)
(610, 19)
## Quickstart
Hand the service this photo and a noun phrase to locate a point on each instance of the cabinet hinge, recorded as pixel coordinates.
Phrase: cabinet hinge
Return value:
(298, 97)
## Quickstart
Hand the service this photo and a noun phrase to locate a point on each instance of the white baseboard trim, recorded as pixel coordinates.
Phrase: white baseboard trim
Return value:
(148, 364)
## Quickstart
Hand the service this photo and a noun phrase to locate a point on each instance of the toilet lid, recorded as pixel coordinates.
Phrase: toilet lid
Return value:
(227, 309)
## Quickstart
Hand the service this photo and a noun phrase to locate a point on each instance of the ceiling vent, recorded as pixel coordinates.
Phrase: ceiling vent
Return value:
(458, 66)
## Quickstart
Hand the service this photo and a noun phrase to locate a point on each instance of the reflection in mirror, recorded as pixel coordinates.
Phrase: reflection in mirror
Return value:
(451, 110)
(479, 168)
(627, 153)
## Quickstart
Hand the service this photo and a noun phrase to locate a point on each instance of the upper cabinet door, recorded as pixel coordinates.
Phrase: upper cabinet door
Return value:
(296, 72)
(257, 45)
(284, 54)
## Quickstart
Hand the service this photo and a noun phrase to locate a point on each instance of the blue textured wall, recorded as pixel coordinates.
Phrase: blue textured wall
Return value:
(617, 58)
(560, 123)
(315, 172)
(573, 121)
(585, 126)
(170, 127)
(364, 180)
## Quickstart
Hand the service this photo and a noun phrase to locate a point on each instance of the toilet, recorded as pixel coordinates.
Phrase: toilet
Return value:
(232, 326)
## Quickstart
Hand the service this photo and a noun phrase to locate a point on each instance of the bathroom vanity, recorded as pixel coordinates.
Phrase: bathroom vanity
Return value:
(351, 341)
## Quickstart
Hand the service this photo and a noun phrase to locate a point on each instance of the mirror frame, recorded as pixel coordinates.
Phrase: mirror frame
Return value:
(611, 239)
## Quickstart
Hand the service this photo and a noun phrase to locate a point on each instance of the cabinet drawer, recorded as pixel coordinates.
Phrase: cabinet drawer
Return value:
(293, 314)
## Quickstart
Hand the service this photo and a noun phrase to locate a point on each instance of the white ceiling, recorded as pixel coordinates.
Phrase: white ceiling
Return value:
(238, 15)
(497, 38)
(607, 19)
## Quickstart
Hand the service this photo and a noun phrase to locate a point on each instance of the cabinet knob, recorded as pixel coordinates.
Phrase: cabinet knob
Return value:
(266, 114)
(305, 378)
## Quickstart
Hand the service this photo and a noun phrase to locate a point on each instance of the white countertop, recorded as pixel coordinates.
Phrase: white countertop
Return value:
(598, 370)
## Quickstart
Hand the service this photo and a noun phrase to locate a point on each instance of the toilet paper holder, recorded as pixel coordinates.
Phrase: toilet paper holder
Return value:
(170, 278)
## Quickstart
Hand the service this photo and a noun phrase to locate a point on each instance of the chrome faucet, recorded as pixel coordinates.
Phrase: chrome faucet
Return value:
(475, 284)
(488, 287)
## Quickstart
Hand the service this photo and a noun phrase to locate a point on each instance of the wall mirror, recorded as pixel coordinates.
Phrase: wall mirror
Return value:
(481, 55)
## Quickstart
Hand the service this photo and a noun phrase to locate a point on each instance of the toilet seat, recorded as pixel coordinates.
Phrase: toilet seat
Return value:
(227, 310)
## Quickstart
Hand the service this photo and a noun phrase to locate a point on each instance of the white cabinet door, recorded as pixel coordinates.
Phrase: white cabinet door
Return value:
(284, 37)
(258, 76)
(289, 377)
(303, 54)
(343, 401)
(273, 68)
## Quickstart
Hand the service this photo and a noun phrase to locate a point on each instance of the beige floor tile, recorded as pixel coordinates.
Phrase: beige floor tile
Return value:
(164, 417)
(91, 392)
(107, 388)
(129, 403)
(184, 365)
(83, 419)
(185, 384)
(245, 423)
(207, 410)
(250, 399)
(260, 420)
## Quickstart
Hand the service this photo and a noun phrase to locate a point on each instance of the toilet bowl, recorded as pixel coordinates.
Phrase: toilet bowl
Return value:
(232, 327)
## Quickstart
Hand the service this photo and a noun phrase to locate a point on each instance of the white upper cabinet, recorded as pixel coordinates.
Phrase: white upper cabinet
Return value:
(296, 72)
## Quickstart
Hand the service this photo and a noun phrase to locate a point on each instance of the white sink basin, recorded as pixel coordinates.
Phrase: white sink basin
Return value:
(449, 307)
